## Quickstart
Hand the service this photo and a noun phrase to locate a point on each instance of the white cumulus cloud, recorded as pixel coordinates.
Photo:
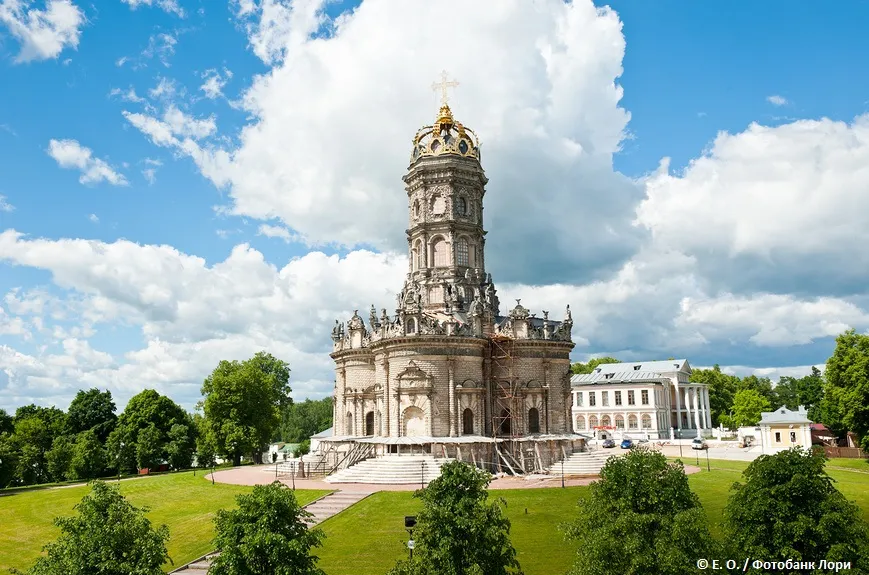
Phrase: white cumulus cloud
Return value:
(43, 34)
(71, 154)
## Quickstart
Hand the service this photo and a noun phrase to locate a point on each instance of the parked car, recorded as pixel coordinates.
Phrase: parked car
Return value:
(627, 444)
(698, 443)
(608, 443)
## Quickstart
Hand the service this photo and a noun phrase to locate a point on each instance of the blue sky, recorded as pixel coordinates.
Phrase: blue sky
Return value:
(691, 71)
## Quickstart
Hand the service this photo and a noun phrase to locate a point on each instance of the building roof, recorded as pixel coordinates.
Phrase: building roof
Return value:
(667, 366)
(625, 377)
(325, 433)
(785, 415)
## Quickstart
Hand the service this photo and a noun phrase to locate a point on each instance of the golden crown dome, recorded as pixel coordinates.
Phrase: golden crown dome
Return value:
(445, 136)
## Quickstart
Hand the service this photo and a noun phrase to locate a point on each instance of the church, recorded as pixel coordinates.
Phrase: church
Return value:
(448, 373)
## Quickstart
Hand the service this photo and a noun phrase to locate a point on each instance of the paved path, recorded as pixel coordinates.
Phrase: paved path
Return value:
(321, 509)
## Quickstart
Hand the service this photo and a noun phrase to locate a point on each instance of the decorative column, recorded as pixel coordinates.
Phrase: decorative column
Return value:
(452, 394)
(678, 407)
(702, 402)
(687, 410)
(696, 410)
(708, 408)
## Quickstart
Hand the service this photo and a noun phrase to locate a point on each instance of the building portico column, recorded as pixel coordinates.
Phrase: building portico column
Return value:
(687, 409)
(678, 408)
(708, 408)
(696, 407)
(702, 402)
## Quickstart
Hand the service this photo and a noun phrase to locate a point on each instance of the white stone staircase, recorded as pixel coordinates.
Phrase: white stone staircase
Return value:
(391, 469)
(583, 463)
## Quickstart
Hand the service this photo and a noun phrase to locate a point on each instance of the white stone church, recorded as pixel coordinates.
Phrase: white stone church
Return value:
(447, 374)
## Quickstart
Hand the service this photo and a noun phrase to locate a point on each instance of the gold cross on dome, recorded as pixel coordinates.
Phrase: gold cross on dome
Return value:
(443, 85)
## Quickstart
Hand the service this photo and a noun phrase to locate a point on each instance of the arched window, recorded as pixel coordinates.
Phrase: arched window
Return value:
(592, 421)
(411, 325)
(647, 421)
(436, 295)
(369, 423)
(632, 422)
(606, 421)
(416, 209)
(440, 253)
(580, 423)
(462, 256)
(348, 429)
(462, 207)
(414, 422)
(533, 420)
(468, 421)
(620, 422)
(416, 254)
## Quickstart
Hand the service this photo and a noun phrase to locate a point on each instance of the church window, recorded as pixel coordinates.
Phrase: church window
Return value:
(632, 422)
(411, 325)
(620, 422)
(644, 397)
(436, 295)
(462, 207)
(631, 400)
(580, 423)
(369, 423)
(440, 253)
(348, 429)
(416, 209)
(618, 397)
(592, 421)
(591, 399)
(462, 252)
(533, 420)
(468, 421)
(647, 421)
(439, 205)
(605, 398)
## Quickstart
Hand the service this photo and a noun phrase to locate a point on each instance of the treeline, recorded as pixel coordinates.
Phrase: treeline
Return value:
(838, 397)
(245, 404)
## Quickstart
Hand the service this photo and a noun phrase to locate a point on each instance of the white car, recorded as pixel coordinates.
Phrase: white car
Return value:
(698, 443)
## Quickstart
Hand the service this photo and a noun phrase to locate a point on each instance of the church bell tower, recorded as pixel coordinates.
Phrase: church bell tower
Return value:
(445, 185)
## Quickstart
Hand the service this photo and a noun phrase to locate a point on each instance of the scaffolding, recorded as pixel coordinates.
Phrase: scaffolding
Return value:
(506, 409)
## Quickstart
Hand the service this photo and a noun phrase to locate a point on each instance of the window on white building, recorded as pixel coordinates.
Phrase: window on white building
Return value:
(462, 258)
(644, 397)
(646, 421)
(777, 437)
(632, 422)
(440, 253)
(793, 437)
(591, 399)
(631, 400)
(618, 396)
(592, 422)
(620, 422)
(604, 398)
(578, 399)
(580, 423)
(605, 421)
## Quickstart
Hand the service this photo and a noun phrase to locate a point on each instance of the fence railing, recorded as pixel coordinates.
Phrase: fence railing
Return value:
(852, 452)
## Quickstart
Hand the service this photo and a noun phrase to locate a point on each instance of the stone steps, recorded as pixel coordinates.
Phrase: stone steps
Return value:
(582, 463)
(391, 469)
(321, 510)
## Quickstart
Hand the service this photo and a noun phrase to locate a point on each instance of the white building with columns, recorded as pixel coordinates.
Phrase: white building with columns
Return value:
(643, 399)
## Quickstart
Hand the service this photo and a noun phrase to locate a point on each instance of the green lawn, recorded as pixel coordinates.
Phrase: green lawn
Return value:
(369, 537)
(185, 503)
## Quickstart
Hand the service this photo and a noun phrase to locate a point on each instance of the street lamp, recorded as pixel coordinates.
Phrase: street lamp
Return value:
(562, 471)
(120, 451)
(409, 524)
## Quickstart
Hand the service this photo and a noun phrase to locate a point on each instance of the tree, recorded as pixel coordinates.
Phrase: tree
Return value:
(92, 409)
(89, 457)
(747, 407)
(762, 385)
(206, 447)
(143, 410)
(302, 420)
(182, 444)
(807, 391)
(59, 458)
(788, 508)
(8, 460)
(7, 422)
(640, 517)
(149, 448)
(242, 404)
(458, 530)
(846, 396)
(34, 431)
(108, 536)
(266, 535)
(722, 388)
(592, 363)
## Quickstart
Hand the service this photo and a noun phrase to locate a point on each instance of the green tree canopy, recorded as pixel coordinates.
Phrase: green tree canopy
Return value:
(722, 388)
(144, 410)
(807, 391)
(92, 409)
(182, 444)
(788, 508)
(266, 535)
(762, 385)
(107, 536)
(35, 429)
(7, 423)
(59, 458)
(748, 404)
(242, 404)
(88, 457)
(640, 517)
(845, 406)
(592, 363)
(458, 531)
(150, 447)
(299, 421)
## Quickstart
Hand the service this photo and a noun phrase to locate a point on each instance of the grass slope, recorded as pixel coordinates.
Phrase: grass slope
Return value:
(185, 503)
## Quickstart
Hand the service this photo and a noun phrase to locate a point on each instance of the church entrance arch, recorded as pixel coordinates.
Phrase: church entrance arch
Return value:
(414, 422)
(369, 423)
